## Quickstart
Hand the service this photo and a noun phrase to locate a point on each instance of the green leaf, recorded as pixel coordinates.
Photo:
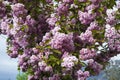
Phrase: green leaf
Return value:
(117, 16)
(48, 47)
(67, 77)
(47, 41)
(24, 27)
(98, 34)
(117, 26)
(11, 26)
(21, 76)
(40, 47)
(52, 60)
(56, 51)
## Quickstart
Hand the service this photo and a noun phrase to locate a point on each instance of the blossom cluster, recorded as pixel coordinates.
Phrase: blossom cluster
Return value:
(111, 32)
(69, 61)
(86, 54)
(62, 42)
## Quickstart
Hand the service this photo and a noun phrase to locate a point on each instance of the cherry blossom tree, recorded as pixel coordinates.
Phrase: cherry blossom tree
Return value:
(60, 39)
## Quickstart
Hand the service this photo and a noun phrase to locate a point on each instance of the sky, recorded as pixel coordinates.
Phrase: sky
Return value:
(8, 66)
